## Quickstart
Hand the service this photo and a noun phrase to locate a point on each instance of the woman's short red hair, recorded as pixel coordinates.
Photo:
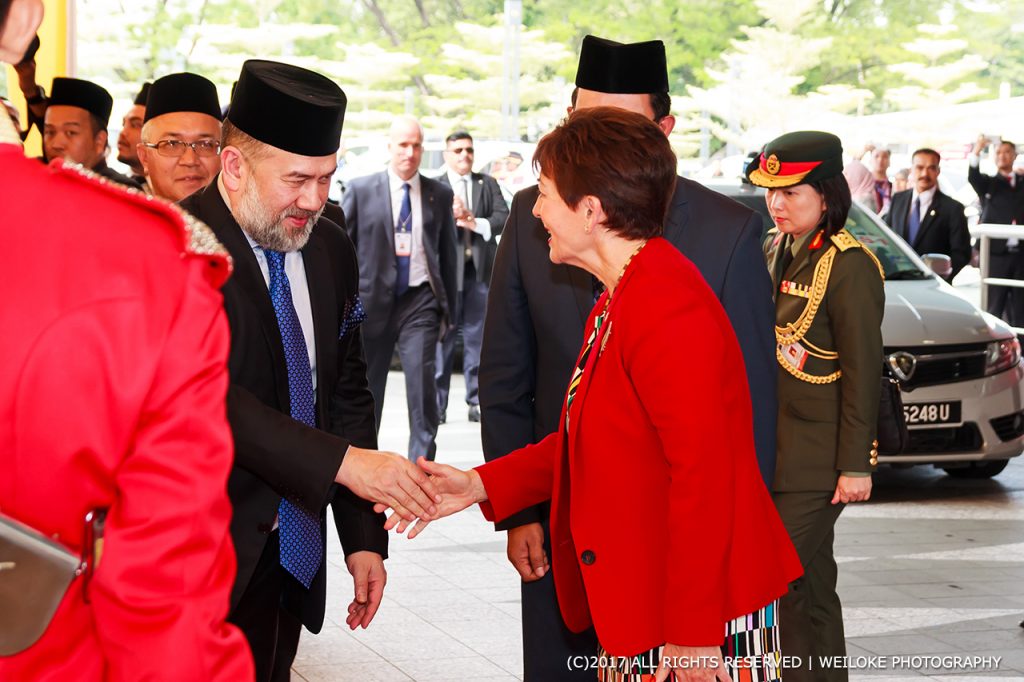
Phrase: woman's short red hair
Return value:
(620, 157)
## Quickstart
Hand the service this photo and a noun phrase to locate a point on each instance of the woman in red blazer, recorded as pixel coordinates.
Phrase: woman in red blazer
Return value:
(663, 534)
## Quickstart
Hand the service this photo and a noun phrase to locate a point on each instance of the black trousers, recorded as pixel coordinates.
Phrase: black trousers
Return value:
(272, 632)
(472, 309)
(414, 325)
(547, 642)
(810, 613)
(1005, 302)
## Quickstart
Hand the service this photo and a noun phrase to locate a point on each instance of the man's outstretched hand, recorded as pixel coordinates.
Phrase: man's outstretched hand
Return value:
(391, 480)
(459, 489)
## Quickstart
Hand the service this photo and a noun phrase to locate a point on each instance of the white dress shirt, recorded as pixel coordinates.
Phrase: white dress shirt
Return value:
(418, 259)
(482, 226)
(295, 270)
(926, 198)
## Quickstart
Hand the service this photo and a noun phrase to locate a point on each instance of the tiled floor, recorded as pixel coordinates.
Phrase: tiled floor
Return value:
(932, 568)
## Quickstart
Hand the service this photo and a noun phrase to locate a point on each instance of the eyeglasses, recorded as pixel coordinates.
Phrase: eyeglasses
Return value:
(461, 150)
(176, 148)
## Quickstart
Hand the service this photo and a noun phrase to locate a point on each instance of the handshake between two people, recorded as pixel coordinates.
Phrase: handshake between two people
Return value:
(416, 493)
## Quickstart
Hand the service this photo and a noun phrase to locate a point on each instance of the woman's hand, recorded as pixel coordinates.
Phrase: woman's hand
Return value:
(459, 489)
(852, 489)
(691, 664)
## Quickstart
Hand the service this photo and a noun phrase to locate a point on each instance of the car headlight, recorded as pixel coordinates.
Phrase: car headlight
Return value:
(1002, 355)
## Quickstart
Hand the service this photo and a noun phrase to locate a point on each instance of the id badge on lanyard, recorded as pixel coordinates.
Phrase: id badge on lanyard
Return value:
(794, 354)
(403, 243)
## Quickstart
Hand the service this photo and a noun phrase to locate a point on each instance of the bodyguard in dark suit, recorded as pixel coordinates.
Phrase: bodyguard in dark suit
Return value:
(536, 313)
(1002, 203)
(927, 219)
(298, 404)
(404, 232)
(480, 214)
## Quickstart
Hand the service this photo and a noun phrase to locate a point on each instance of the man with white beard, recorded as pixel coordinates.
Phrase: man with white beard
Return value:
(299, 407)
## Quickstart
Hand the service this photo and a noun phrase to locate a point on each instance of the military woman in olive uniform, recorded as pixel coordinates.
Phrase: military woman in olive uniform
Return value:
(829, 302)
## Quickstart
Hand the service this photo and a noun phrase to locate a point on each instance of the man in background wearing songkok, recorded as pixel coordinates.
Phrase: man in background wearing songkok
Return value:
(112, 381)
(75, 127)
(299, 407)
(535, 318)
(180, 142)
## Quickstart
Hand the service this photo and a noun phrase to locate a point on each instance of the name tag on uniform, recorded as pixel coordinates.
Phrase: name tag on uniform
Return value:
(403, 243)
(794, 354)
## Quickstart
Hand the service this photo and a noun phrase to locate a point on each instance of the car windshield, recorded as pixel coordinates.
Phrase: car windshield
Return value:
(894, 255)
(896, 262)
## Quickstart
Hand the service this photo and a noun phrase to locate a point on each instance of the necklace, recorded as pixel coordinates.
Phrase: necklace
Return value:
(600, 326)
(622, 272)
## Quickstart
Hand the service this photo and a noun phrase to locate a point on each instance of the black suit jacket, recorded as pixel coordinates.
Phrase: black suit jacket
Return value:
(370, 224)
(275, 455)
(1001, 203)
(943, 229)
(536, 313)
(487, 203)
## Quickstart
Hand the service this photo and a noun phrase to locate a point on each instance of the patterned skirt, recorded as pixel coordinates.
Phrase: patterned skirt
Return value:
(750, 651)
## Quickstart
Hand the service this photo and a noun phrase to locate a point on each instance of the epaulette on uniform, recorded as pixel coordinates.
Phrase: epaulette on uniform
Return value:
(198, 240)
(845, 241)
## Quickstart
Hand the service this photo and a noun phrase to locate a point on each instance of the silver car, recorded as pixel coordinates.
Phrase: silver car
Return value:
(959, 367)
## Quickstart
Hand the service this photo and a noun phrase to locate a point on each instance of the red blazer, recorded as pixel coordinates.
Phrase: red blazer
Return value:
(112, 392)
(661, 526)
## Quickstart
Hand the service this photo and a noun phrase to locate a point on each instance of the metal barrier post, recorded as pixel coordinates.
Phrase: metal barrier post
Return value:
(986, 232)
(983, 266)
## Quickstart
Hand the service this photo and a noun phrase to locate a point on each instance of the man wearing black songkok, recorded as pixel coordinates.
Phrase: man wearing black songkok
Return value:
(75, 126)
(180, 136)
(534, 329)
(299, 406)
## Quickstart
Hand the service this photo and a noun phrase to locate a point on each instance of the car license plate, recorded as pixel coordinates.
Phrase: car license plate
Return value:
(919, 414)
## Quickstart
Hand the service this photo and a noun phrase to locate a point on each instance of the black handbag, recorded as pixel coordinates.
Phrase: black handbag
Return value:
(892, 422)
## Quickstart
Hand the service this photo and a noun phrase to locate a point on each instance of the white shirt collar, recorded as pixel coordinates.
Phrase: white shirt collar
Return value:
(926, 197)
(454, 177)
(395, 182)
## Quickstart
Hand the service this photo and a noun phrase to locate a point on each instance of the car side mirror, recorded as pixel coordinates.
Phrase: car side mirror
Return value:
(939, 263)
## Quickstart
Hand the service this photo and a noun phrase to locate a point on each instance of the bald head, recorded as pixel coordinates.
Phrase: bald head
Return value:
(406, 146)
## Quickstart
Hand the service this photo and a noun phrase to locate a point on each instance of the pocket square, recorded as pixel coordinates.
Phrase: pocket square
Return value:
(355, 314)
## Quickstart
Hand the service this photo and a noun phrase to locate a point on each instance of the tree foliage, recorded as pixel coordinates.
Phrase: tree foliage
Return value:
(443, 59)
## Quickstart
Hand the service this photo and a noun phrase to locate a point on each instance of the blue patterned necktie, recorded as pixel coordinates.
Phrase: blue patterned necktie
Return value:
(301, 544)
(915, 221)
(404, 225)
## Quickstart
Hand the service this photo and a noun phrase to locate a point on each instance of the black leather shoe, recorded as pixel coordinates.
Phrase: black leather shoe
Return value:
(474, 413)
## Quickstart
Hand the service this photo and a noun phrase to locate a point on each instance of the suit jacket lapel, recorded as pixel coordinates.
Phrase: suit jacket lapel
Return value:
(476, 189)
(249, 278)
(316, 263)
(778, 255)
(384, 199)
(427, 201)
